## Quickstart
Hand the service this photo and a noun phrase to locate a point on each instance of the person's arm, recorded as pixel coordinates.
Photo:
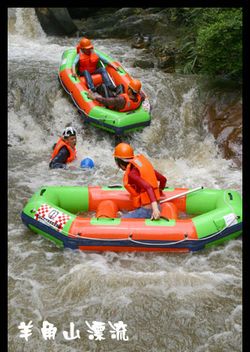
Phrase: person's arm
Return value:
(136, 180)
(59, 161)
(116, 103)
(75, 63)
(162, 180)
(105, 61)
(143, 96)
(156, 214)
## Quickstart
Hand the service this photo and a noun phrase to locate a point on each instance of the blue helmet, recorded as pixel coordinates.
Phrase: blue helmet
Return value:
(87, 163)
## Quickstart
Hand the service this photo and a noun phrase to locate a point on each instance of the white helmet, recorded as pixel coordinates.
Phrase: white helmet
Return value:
(69, 131)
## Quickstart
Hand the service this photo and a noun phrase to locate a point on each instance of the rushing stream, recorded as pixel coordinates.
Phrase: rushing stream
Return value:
(169, 302)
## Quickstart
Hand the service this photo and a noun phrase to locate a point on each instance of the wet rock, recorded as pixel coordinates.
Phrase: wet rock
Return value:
(144, 63)
(55, 21)
(125, 22)
(165, 58)
(82, 12)
(167, 63)
(225, 123)
(141, 41)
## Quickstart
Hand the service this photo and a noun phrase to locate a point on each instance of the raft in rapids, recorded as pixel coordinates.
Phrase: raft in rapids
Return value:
(191, 220)
(95, 113)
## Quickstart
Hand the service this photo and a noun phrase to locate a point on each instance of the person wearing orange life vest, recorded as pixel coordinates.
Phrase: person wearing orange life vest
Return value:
(87, 62)
(141, 180)
(64, 151)
(125, 101)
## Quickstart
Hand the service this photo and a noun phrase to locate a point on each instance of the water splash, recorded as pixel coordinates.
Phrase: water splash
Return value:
(24, 22)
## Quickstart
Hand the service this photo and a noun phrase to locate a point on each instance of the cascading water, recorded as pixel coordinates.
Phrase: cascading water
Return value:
(189, 302)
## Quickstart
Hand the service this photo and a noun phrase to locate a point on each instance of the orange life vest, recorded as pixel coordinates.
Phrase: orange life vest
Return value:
(61, 143)
(88, 62)
(131, 104)
(147, 173)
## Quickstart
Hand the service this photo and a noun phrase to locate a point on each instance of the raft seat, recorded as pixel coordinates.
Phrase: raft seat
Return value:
(97, 79)
(169, 210)
(107, 209)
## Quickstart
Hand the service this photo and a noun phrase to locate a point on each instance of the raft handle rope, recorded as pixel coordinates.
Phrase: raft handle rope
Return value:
(194, 239)
(155, 244)
(184, 239)
(62, 83)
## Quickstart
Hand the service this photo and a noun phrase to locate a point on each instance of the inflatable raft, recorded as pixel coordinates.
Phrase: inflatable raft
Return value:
(191, 219)
(95, 113)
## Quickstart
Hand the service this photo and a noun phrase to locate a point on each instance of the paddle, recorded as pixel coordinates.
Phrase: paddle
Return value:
(167, 199)
(181, 194)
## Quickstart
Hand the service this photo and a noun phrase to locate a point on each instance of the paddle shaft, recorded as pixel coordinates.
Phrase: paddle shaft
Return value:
(181, 194)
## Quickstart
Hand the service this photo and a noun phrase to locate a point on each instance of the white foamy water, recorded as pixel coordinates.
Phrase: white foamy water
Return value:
(170, 302)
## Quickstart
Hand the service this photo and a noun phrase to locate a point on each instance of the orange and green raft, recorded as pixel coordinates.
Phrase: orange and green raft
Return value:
(190, 222)
(95, 113)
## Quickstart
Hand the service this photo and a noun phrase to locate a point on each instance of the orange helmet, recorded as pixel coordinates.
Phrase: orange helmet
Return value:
(135, 85)
(123, 151)
(85, 43)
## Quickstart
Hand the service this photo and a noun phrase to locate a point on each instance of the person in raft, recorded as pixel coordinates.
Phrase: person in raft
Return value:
(141, 180)
(64, 151)
(86, 60)
(124, 101)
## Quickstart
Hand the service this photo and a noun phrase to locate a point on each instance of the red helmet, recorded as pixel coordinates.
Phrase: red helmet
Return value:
(135, 85)
(85, 43)
(123, 151)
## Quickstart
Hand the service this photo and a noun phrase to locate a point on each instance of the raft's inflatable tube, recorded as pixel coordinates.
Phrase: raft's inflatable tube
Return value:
(95, 113)
(55, 212)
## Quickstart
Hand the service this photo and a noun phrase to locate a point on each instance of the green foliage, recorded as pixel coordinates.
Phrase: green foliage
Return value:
(188, 55)
(184, 16)
(212, 43)
(219, 45)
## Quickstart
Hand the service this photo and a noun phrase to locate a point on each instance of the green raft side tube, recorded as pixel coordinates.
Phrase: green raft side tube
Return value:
(66, 199)
(68, 58)
(120, 119)
(56, 241)
(218, 208)
(70, 199)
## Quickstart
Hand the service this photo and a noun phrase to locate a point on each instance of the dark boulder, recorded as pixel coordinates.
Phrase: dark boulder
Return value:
(55, 21)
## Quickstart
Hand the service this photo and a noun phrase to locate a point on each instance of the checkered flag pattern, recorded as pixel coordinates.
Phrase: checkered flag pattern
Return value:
(58, 219)
(42, 211)
(61, 220)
